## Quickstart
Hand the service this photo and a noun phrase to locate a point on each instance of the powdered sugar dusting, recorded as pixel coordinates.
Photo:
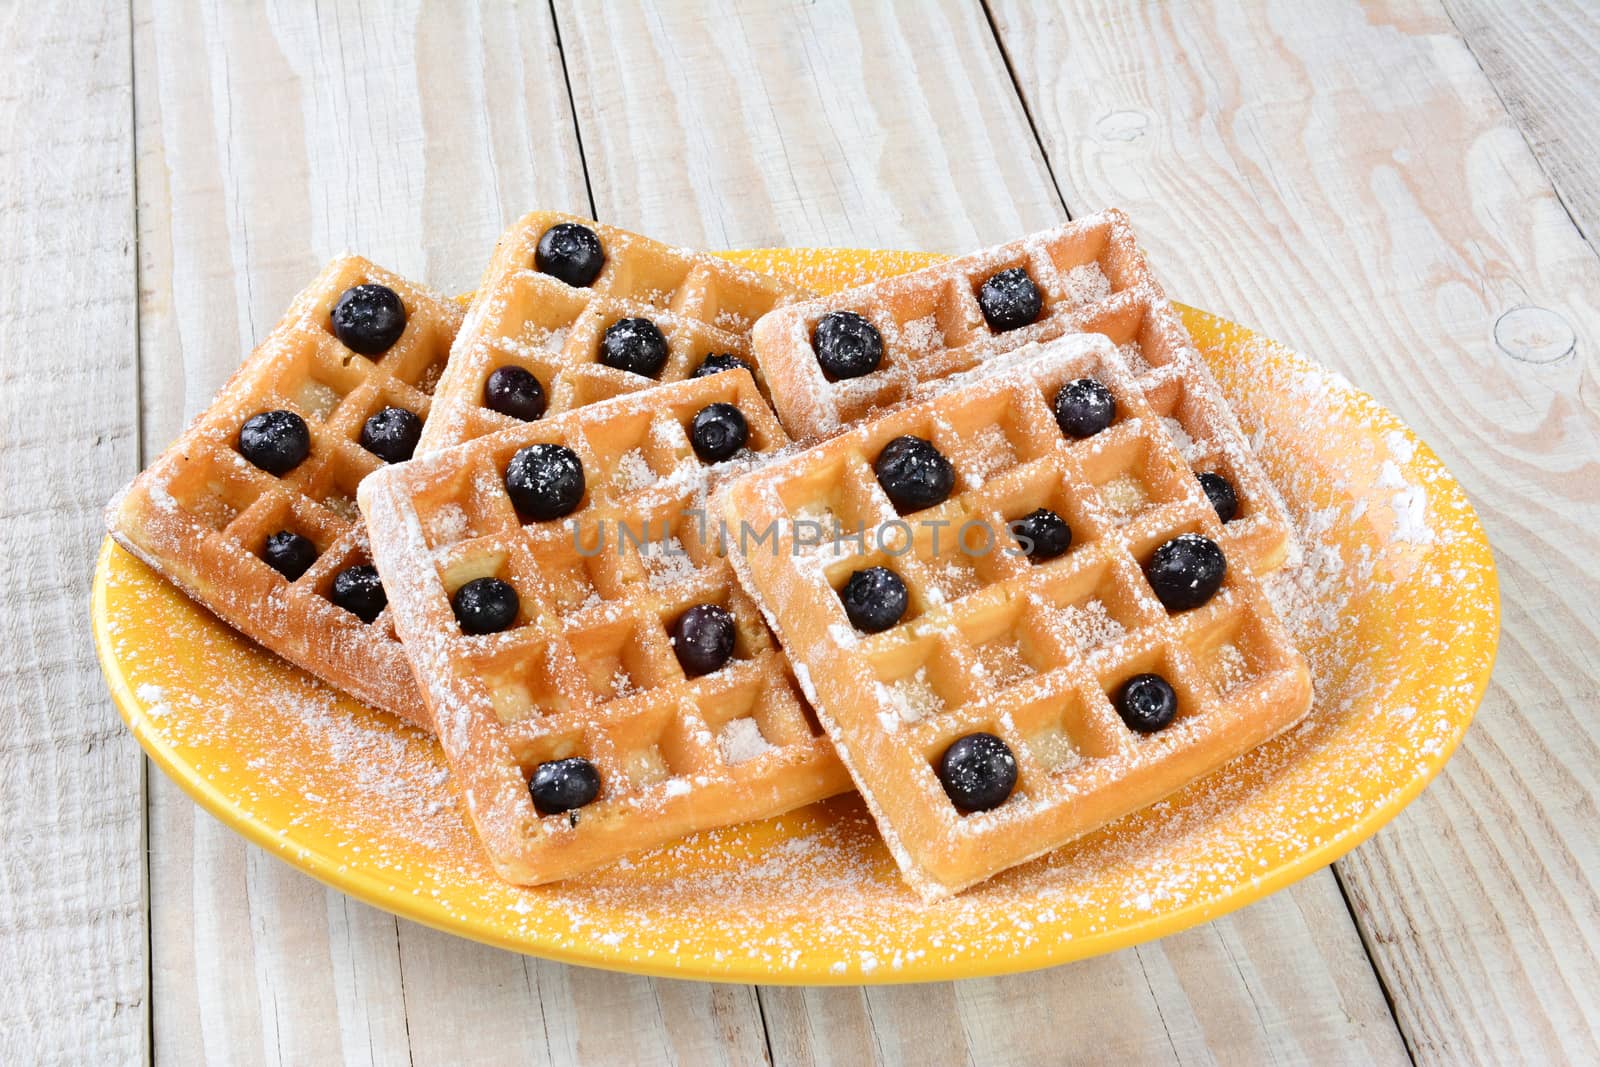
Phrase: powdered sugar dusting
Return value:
(1090, 626)
(740, 740)
(922, 335)
(1084, 283)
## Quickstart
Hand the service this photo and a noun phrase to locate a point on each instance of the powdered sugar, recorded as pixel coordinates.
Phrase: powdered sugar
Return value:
(633, 472)
(666, 561)
(922, 335)
(740, 740)
(1188, 447)
(1089, 625)
(913, 697)
(1084, 283)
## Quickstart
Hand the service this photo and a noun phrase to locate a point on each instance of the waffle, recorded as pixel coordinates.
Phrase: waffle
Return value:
(702, 304)
(201, 513)
(587, 669)
(992, 642)
(1091, 275)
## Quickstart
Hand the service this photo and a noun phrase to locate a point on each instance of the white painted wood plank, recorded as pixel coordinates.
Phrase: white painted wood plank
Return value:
(72, 924)
(1543, 58)
(268, 141)
(1346, 178)
(750, 124)
(746, 124)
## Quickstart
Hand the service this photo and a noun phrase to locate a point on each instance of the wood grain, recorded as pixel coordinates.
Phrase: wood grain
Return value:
(938, 155)
(747, 124)
(1348, 180)
(72, 923)
(1543, 60)
(268, 140)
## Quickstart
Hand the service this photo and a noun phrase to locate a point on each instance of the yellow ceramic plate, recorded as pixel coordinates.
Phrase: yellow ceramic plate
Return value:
(1396, 606)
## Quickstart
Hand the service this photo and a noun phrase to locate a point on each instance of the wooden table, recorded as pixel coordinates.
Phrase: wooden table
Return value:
(1375, 186)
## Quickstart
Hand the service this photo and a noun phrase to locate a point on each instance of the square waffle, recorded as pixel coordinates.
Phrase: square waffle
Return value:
(1091, 277)
(201, 513)
(587, 668)
(1029, 652)
(703, 304)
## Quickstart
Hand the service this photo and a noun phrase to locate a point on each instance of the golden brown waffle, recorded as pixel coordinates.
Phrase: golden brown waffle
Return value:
(201, 513)
(520, 317)
(588, 669)
(1091, 275)
(992, 642)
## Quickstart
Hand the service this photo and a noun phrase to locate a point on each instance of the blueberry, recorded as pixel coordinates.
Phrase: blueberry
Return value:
(1186, 571)
(485, 606)
(634, 345)
(1220, 492)
(1010, 300)
(391, 434)
(875, 599)
(545, 482)
(571, 253)
(563, 785)
(1147, 703)
(703, 638)
(1084, 407)
(914, 474)
(978, 771)
(1043, 534)
(289, 554)
(718, 431)
(368, 319)
(718, 362)
(515, 392)
(847, 345)
(358, 591)
(275, 441)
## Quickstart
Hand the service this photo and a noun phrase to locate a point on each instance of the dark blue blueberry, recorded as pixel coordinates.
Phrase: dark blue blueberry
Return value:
(875, 599)
(978, 771)
(571, 253)
(485, 606)
(718, 431)
(1147, 703)
(545, 482)
(515, 392)
(275, 441)
(634, 345)
(358, 591)
(288, 553)
(392, 434)
(718, 362)
(914, 474)
(703, 638)
(1220, 492)
(1010, 300)
(1186, 572)
(564, 785)
(1084, 407)
(847, 345)
(1042, 534)
(368, 319)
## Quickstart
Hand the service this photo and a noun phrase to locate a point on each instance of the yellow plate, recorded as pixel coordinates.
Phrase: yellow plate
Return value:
(1397, 609)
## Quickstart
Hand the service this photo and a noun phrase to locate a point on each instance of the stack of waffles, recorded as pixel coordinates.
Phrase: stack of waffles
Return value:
(655, 543)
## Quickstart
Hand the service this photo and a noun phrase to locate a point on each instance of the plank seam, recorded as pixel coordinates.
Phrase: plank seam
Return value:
(1022, 99)
(572, 108)
(766, 1031)
(149, 1050)
(1372, 961)
(1511, 114)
